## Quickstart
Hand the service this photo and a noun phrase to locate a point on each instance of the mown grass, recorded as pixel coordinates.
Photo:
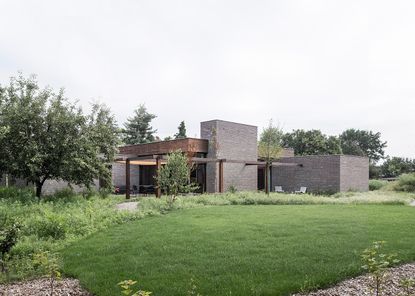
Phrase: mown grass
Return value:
(240, 250)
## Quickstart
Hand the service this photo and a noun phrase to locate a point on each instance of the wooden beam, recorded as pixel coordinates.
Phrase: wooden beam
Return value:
(127, 179)
(275, 164)
(221, 175)
(158, 164)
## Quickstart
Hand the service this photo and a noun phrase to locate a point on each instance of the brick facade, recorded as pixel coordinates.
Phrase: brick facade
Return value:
(232, 141)
(323, 173)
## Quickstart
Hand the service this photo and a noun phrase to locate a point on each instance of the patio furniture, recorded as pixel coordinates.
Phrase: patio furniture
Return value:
(279, 189)
(302, 190)
(135, 190)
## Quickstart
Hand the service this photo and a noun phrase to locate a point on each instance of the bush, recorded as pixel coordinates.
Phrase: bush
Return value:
(9, 231)
(376, 184)
(406, 183)
(50, 226)
(17, 194)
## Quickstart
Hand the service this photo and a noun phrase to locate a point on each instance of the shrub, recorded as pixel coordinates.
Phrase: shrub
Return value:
(406, 183)
(376, 184)
(63, 194)
(375, 262)
(17, 194)
(9, 231)
(50, 226)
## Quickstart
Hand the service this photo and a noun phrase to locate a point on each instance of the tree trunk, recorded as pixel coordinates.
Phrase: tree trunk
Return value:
(39, 186)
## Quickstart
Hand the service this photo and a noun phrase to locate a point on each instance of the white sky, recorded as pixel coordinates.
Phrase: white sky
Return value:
(328, 65)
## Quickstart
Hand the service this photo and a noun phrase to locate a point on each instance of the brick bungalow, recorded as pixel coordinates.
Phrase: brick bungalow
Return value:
(226, 155)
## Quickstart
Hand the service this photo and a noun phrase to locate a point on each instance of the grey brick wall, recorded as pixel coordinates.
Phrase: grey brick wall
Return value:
(323, 173)
(354, 173)
(318, 173)
(118, 174)
(232, 141)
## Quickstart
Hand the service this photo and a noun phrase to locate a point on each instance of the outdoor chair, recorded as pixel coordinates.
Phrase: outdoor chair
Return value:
(135, 190)
(279, 189)
(302, 190)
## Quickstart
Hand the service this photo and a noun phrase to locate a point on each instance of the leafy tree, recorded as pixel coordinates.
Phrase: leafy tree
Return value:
(312, 142)
(9, 231)
(168, 138)
(269, 148)
(396, 166)
(138, 129)
(47, 137)
(182, 131)
(174, 177)
(363, 143)
(104, 134)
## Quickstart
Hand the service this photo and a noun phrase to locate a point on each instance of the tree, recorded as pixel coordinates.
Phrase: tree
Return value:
(137, 128)
(182, 131)
(48, 137)
(363, 143)
(396, 166)
(174, 177)
(269, 149)
(312, 142)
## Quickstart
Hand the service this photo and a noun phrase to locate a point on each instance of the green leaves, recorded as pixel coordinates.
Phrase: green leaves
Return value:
(126, 289)
(174, 176)
(376, 262)
(312, 142)
(45, 136)
(363, 143)
(269, 146)
(137, 128)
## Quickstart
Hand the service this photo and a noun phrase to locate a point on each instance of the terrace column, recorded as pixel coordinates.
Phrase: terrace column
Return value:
(266, 175)
(221, 176)
(158, 164)
(127, 178)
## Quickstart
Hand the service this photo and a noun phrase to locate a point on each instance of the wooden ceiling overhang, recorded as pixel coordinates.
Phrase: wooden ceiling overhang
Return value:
(186, 145)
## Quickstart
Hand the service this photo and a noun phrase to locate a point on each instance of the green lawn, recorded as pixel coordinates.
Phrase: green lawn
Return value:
(240, 250)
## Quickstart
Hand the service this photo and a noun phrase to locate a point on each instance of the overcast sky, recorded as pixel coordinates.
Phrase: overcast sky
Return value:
(328, 65)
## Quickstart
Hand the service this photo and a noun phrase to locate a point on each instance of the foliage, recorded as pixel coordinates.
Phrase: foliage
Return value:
(53, 223)
(269, 146)
(396, 166)
(408, 284)
(126, 289)
(406, 183)
(232, 189)
(269, 149)
(375, 171)
(21, 195)
(174, 177)
(363, 143)
(49, 265)
(376, 184)
(239, 248)
(181, 131)
(193, 291)
(137, 129)
(9, 231)
(376, 263)
(312, 142)
(48, 137)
